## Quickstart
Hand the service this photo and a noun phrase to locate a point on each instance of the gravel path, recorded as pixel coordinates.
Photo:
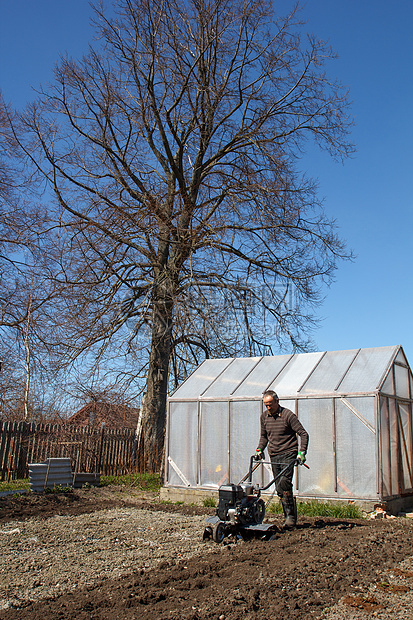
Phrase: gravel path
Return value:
(39, 559)
(91, 557)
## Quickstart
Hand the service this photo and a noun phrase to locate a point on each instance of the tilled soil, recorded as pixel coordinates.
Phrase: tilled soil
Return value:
(101, 554)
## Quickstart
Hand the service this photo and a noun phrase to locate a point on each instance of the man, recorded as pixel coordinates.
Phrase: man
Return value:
(279, 430)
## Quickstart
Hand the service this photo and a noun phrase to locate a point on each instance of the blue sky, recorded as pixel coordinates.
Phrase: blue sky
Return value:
(370, 195)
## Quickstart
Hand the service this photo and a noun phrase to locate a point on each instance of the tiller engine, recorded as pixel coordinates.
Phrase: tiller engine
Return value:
(241, 510)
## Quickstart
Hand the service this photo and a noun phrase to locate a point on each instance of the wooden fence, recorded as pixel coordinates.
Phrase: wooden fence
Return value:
(111, 452)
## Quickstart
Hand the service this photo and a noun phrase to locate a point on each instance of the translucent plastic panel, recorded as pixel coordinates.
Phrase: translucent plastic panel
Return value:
(402, 381)
(395, 449)
(387, 387)
(232, 376)
(384, 465)
(364, 406)
(355, 450)
(200, 379)
(262, 376)
(288, 404)
(317, 418)
(367, 371)
(329, 372)
(295, 374)
(385, 468)
(183, 431)
(244, 436)
(405, 422)
(400, 357)
(214, 443)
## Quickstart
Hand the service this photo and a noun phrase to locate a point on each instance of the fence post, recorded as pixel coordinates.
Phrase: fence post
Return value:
(9, 467)
(102, 433)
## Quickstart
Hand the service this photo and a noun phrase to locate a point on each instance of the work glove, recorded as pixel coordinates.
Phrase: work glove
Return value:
(259, 454)
(301, 457)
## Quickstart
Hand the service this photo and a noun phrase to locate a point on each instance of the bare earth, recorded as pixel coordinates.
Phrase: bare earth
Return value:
(107, 554)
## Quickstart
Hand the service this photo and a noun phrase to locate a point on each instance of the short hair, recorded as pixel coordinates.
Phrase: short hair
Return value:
(270, 393)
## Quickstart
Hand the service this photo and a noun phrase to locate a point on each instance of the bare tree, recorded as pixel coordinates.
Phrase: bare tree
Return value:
(24, 285)
(171, 152)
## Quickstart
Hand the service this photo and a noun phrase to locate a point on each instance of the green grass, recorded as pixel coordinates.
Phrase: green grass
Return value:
(143, 482)
(21, 484)
(209, 502)
(59, 488)
(315, 508)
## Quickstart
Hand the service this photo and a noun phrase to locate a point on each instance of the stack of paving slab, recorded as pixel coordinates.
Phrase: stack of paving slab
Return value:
(58, 472)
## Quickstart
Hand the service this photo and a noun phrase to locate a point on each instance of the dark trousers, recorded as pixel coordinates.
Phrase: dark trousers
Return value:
(278, 462)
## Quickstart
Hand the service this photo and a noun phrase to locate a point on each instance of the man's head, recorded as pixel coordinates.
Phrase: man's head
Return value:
(270, 399)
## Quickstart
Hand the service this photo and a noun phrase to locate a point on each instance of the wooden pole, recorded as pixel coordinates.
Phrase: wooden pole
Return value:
(102, 433)
(11, 458)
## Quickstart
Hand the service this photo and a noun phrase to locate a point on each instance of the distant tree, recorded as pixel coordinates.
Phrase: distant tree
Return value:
(11, 229)
(24, 285)
(184, 227)
(17, 403)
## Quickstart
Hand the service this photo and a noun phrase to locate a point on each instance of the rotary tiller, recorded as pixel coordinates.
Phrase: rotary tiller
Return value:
(241, 510)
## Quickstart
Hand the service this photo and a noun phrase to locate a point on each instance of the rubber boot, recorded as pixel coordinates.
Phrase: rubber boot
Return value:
(290, 510)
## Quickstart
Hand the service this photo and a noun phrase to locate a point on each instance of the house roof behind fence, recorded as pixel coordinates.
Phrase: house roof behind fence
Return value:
(352, 371)
(111, 415)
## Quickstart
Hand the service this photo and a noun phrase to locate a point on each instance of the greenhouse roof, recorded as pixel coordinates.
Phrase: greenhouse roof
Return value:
(354, 371)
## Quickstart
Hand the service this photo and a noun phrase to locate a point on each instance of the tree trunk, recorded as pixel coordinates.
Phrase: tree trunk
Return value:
(154, 404)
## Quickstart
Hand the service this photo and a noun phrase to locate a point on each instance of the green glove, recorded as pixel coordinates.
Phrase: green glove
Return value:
(301, 456)
(259, 454)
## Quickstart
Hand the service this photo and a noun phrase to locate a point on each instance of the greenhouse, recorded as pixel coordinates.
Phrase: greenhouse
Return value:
(356, 406)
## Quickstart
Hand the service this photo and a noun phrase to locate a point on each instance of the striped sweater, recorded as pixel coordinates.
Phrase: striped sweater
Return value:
(279, 432)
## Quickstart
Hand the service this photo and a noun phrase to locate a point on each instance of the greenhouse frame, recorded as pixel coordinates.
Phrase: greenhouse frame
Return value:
(356, 406)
